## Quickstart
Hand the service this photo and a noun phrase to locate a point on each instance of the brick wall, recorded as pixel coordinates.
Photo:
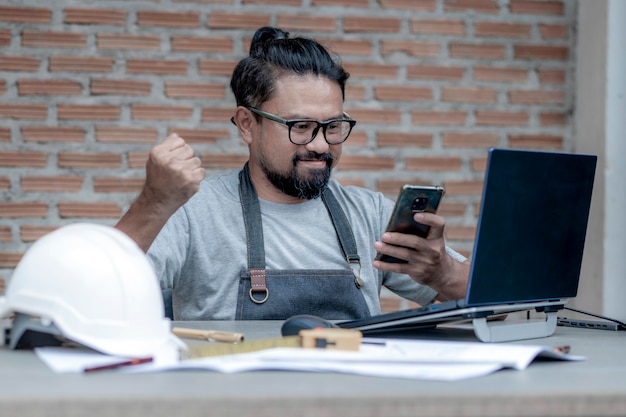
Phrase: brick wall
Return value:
(87, 88)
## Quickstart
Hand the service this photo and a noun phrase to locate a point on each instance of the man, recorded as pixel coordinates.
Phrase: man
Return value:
(279, 237)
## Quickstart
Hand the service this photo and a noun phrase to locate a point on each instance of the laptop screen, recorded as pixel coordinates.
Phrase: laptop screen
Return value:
(531, 228)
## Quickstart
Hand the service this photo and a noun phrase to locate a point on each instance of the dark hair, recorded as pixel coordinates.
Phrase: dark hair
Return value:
(273, 54)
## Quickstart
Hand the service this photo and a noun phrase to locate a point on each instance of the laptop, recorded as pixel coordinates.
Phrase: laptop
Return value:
(529, 242)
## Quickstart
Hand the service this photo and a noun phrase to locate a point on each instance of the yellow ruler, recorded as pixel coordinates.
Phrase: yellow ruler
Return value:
(340, 339)
(219, 349)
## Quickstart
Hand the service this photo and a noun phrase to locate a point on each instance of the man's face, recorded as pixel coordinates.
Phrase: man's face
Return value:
(300, 171)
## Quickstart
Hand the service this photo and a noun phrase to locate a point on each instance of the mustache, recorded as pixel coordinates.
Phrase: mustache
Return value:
(309, 156)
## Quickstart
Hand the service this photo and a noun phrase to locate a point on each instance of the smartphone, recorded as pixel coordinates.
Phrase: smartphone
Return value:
(412, 199)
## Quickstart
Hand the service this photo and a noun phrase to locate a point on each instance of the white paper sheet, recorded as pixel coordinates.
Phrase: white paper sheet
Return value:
(414, 359)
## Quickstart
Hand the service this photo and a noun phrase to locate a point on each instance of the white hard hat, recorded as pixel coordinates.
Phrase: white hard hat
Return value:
(96, 286)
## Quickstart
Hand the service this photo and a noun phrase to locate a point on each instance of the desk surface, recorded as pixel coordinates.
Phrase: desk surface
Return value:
(595, 387)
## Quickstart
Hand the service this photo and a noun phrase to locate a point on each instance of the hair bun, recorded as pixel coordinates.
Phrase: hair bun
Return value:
(266, 34)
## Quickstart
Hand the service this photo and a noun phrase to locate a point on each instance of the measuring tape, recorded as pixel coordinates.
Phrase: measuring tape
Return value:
(340, 339)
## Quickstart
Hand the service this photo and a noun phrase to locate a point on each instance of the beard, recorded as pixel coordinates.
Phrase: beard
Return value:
(305, 186)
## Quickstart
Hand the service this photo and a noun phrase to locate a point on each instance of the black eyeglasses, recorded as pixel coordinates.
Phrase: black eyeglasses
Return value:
(303, 131)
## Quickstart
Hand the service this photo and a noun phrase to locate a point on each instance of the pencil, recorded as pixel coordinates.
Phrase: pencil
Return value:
(130, 362)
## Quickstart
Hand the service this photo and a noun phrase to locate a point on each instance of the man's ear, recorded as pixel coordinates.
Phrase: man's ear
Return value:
(245, 123)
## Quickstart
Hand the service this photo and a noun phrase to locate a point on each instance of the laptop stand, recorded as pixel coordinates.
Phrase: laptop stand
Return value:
(503, 331)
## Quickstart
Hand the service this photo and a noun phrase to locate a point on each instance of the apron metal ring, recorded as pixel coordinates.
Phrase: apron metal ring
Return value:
(254, 300)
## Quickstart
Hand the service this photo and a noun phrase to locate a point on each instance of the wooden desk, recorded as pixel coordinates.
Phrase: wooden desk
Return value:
(596, 387)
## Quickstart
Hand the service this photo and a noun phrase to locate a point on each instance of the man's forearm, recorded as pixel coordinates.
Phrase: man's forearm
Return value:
(143, 221)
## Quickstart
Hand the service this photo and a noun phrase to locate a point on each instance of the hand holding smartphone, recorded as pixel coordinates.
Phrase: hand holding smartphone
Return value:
(412, 199)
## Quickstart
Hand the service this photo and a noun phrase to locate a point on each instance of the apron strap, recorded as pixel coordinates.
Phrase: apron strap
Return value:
(254, 232)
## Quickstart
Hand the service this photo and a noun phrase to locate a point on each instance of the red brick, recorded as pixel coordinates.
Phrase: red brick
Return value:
(10, 259)
(116, 134)
(5, 134)
(183, 89)
(5, 37)
(5, 183)
(54, 39)
(402, 93)
(46, 183)
(269, 2)
(475, 51)
(215, 114)
(23, 111)
(551, 76)
(464, 187)
(223, 160)
(5, 235)
(468, 95)
(537, 7)
(423, 5)
(101, 86)
(371, 24)
(366, 70)
(438, 27)
(95, 16)
(18, 63)
(88, 210)
(221, 20)
(499, 29)
(307, 22)
(168, 19)
(412, 48)
(23, 159)
(480, 6)
(501, 118)
(404, 139)
(469, 140)
(555, 31)
(200, 135)
(25, 14)
(49, 87)
(31, 233)
(355, 91)
(434, 163)
(89, 160)
(137, 159)
(15, 209)
(452, 209)
(553, 119)
(435, 72)
(147, 112)
(52, 134)
(197, 44)
(216, 67)
(497, 74)
(127, 41)
(536, 97)
(87, 112)
(536, 141)
(343, 47)
(117, 185)
(81, 64)
(438, 117)
(366, 163)
(541, 52)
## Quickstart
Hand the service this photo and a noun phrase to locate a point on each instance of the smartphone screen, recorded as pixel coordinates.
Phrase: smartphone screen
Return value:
(412, 199)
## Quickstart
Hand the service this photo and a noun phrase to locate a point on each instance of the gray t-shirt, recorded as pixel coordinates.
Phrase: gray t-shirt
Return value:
(201, 251)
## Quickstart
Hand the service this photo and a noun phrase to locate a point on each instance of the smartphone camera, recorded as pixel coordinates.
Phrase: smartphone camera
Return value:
(419, 204)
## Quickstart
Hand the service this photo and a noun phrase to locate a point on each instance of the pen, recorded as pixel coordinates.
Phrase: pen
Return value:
(130, 362)
(215, 335)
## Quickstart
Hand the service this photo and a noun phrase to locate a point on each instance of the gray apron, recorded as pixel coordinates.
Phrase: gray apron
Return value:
(279, 294)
